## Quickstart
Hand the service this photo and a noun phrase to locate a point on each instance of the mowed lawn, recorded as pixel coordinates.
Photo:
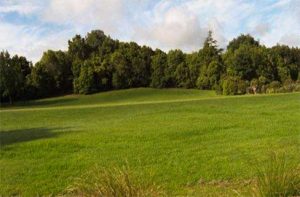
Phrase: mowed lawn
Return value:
(177, 138)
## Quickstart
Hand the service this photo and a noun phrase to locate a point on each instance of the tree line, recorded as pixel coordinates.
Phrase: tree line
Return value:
(96, 63)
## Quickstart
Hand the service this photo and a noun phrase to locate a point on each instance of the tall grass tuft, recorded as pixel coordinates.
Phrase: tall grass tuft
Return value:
(278, 178)
(113, 182)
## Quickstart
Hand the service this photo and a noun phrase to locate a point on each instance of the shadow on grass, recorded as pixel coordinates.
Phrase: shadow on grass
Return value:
(24, 135)
(42, 102)
(60, 101)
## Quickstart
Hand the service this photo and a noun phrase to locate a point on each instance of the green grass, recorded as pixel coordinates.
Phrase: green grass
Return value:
(120, 97)
(177, 136)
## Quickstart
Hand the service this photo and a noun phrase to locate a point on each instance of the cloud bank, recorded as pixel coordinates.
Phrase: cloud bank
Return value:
(30, 27)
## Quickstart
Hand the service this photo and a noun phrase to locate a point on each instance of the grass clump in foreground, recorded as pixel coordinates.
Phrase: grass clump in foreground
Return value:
(112, 182)
(278, 178)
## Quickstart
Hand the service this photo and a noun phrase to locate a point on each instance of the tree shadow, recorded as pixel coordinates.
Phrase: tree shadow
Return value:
(60, 101)
(24, 135)
(42, 102)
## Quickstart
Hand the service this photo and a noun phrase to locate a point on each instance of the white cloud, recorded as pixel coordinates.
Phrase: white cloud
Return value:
(29, 41)
(291, 39)
(172, 28)
(185, 24)
(285, 25)
(82, 15)
(21, 7)
(164, 24)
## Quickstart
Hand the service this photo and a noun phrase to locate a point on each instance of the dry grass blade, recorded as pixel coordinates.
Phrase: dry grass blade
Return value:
(112, 182)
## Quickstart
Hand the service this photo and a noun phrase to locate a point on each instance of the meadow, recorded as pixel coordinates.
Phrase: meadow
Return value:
(190, 142)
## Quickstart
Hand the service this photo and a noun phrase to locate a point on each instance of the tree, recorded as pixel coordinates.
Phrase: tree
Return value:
(103, 73)
(139, 70)
(245, 62)
(86, 81)
(242, 40)
(174, 59)
(210, 64)
(97, 63)
(58, 65)
(121, 75)
(94, 41)
(287, 61)
(182, 75)
(13, 74)
(193, 63)
(40, 82)
(158, 66)
(78, 50)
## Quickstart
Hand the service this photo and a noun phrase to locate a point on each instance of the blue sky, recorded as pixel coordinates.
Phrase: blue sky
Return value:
(29, 27)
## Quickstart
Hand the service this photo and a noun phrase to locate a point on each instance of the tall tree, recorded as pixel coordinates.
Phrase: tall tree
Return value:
(210, 64)
(13, 74)
(158, 66)
(58, 65)
(242, 40)
(174, 59)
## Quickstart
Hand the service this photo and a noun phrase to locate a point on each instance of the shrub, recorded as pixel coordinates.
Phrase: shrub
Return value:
(273, 87)
(263, 89)
(113, 183)
(234, 86)
(242, 86)
(289, 85)
(278, 178)
(297, 87)
(229, 86)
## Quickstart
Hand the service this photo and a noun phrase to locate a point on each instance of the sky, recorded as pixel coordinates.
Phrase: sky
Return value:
(30, 27)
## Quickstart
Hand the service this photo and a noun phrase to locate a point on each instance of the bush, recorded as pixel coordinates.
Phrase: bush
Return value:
(278, 178)
(273, 87)
(289, 85)
(229, 86)
(242, 86)
(297, 87)
(234, 86)
(263, 89)
(113, 183)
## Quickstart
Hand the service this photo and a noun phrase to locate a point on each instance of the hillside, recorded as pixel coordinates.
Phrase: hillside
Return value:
(117, 97)
(178, 136)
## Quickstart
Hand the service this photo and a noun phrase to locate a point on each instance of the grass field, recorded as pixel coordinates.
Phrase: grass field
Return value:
(190, 142)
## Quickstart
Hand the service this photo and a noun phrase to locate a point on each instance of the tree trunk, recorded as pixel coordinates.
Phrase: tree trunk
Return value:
(10, 99)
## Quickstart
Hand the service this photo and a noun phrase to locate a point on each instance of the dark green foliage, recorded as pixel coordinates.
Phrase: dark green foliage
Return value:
(174, 59)
(121, 75)
(58, 65)
(40, 82)
(193, 62)
(86, 82)
(244, 62)
(97, 63)
(234, 85)
(158, 66)
(13, 74)
(94, 41)
(242, 40)
(182, 76)
(210, 64)
(210, 75)
(52, 75)
(78, 48)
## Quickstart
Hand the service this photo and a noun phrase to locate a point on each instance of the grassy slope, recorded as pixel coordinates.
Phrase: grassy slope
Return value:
(120, 97)
(178, 142)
